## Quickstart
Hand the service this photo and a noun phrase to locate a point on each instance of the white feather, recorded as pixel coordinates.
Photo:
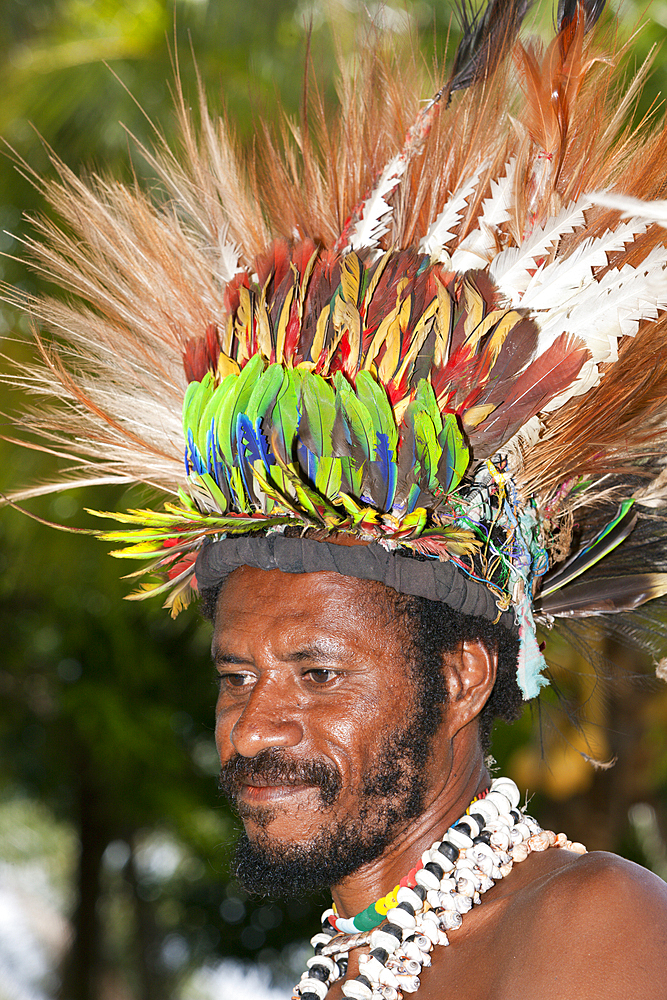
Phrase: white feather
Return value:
(606, 310)
(442, 229)
(511, 268)
(478, 248)
(228, 258)
(373, 221)
(652, 211)
(553, 286)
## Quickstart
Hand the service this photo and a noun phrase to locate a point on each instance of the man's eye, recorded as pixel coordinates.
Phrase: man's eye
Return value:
(320, 675)
(235, 680)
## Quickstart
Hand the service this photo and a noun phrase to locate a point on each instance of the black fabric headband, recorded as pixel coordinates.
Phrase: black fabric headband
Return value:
(435, 580)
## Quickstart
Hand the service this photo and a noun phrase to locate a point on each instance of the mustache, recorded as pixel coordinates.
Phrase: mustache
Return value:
(274, 766)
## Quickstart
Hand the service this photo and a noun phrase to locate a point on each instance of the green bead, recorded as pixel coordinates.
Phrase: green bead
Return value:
(368, 919)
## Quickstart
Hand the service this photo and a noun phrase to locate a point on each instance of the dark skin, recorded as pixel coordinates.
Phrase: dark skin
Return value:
(308, 664)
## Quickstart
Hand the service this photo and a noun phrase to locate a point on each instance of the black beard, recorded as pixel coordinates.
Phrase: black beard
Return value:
(390, 795)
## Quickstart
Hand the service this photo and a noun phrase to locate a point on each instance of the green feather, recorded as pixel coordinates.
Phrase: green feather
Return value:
(455, 454)
(427, 448)
(375, 400)
(196, 397)
(318, 404)
(329, 477)
(236, 402)
(425, 400)
(223, 394)
(265, 392)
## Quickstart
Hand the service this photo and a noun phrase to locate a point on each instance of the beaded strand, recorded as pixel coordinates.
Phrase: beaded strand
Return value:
(374, 914)
(475, 852)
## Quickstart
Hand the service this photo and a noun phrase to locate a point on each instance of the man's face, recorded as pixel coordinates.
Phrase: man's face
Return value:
(316, 722)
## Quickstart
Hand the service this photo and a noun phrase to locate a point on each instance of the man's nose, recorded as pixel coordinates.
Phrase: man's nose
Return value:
(268, 720)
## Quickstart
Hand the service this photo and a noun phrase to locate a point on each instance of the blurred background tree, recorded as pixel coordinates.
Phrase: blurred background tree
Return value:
(110, 830)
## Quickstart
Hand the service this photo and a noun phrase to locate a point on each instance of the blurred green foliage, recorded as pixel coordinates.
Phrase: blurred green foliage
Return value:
(106, 707)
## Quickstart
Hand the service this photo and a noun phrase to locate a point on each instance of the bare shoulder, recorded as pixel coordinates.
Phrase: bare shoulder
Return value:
(594, 880)
(601, 925)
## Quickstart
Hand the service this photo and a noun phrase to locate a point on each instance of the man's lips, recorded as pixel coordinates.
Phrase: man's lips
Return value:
(262, 791)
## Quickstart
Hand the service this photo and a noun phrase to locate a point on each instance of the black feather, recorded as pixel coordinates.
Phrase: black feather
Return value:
(567, 11)
(487, 36)
(603, 596)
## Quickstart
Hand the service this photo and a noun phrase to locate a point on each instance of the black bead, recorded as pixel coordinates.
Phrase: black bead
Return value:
(420, 891)
(407, 907)
(484, 838)
(449, 851)
(380, 954)
(328, 929)
(319, 972)
(481, 822)
(318, 949)
(342, 966)
(393, 929)
(309, 996)
(464, 828)
(516, 816)
(366, 982)
(434, 869)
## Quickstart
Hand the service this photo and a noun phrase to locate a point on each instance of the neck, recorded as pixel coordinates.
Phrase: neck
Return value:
(446, 805)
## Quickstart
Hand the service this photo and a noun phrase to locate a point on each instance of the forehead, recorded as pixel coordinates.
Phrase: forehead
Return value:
(306, 607)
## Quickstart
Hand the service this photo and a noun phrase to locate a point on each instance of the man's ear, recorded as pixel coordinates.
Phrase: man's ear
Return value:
(470, 673)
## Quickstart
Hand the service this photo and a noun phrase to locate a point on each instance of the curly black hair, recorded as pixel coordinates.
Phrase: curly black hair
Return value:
(432, 629)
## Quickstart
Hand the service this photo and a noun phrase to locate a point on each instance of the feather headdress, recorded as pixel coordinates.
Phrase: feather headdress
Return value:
(418, 325)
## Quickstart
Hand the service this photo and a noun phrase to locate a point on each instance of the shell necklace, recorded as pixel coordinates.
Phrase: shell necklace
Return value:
(474, 853)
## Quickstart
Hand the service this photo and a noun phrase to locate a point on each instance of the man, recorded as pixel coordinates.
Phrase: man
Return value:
(343, 775)
(423, 378)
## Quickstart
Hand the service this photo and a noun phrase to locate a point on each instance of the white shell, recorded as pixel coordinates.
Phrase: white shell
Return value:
(451, 920)
(320, 938)
(463, 903)
(561, 840)
(577, 847)
(458, 838)
(387, 978)
(359, 991)
(509, 789)
(447, 901)
(423, 943)
(501, 802)
(433, 898)
(308, 985)
(440, 859)
(389, 993)
(500, 839)
(486, 884)
(521, 830)
(427, 879)
(401, 918)
(409, 984)
(505, 869)
(412, 951)
(475, 828)
(485, 863)
(430, 931)
(381, 939)
(520, 852)
(486, 809)
(321, 960)
(465, 887)
(407, 895)
(447, 885)
(442, 937)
